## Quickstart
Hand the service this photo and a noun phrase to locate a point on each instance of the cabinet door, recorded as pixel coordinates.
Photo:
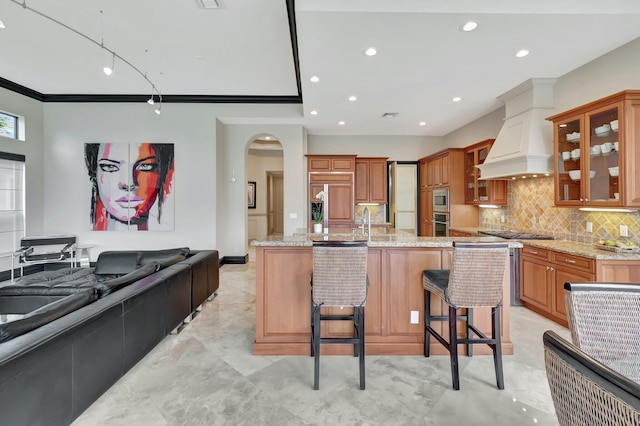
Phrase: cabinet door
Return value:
(535, 283)
(319, 164)
(429, 214)
(362, 181)
(568, 165)
(444, 171)
(431, 174)
(378, 181)
(562, 275)
(470, 180)
(601, 157)
(498, 192)
(423, 175)
(342, 164)
(341, 204)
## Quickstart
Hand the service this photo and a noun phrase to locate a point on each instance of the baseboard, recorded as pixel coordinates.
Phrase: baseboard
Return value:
(234, 260)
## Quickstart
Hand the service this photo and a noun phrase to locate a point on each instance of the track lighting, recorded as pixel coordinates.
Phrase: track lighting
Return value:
(108, 70)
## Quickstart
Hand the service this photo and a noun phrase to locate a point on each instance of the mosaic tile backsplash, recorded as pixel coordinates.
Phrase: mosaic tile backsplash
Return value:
(531, 209)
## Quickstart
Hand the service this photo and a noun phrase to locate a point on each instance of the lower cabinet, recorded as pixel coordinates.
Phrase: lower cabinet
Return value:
(543, 274)
(453, 233)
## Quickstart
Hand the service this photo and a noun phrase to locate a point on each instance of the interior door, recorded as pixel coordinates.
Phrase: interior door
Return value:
(275, 203)
(404, 208)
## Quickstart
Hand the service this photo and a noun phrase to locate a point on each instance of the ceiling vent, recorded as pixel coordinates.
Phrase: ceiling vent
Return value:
(209, 4)
(390, 115)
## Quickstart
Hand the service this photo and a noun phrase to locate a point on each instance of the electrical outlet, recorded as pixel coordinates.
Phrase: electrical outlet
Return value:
(624, 231)
(501, 218)
(293, 215)
(415, 317)
(589, 227)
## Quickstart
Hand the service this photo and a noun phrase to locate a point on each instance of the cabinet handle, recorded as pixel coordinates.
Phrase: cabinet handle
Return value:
(570, 261)
(551, 268)
(533, 252)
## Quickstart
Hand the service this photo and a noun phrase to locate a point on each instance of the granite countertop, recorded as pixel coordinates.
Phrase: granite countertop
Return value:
(569, 247)
(400, 239)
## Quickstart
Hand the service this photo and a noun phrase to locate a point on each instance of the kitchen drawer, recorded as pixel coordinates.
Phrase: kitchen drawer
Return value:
(338, 177)
(577, 262)
(538, 253)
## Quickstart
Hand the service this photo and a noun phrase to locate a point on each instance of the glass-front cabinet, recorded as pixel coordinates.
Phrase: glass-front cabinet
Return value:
(481, 191)
(595, 160)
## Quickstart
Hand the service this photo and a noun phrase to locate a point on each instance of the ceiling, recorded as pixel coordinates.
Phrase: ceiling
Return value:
(243, 52)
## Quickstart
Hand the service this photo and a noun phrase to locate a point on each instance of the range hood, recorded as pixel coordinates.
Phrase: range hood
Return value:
(524, 146)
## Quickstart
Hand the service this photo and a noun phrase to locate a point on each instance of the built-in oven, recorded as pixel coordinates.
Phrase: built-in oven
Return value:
(441, 200)
(440, 224)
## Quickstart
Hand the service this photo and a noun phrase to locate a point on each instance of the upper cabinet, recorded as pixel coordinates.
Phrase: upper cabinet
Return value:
(371, 180)
(437, 168)
(331, 163)
(482, 191)
(596, 153)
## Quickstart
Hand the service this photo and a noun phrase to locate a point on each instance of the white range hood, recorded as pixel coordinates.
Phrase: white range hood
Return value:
(524, 146)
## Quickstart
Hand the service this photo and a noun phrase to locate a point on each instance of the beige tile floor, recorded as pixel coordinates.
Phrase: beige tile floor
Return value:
(207, 375)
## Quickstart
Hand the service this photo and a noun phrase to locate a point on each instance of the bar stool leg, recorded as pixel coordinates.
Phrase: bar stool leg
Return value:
(316, 348)
(469, 330)
(497, 346)
(453, 347)
(427, 322)
(356, 325)
(361, 344)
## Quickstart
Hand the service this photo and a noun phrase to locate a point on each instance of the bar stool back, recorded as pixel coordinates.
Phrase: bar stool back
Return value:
(339, 280)
(474, 280)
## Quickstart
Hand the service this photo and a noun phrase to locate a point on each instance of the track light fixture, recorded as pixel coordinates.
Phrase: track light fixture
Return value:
(107, 70)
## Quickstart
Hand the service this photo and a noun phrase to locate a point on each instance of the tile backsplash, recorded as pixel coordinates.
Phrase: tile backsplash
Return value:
(531, 209)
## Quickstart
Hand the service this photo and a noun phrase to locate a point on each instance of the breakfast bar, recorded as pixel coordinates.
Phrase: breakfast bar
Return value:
(395, 296)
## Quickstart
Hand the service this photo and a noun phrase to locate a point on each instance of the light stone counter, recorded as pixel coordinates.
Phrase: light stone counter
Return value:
(400, 240)
(569, 247)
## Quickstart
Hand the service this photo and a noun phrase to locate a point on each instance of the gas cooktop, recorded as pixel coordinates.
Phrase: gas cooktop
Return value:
(515, 235)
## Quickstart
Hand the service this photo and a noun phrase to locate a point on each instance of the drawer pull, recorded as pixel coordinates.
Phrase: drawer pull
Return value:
(570, 261)
(533, 252)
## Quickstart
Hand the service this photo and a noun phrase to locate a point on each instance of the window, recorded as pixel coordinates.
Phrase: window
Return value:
(8, 125)
(12, 206)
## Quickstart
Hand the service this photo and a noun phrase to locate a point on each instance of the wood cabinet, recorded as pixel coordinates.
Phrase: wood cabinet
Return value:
(453, 233)
(482, 191)
(543, 274)
(371, 180)
(283, 305)
(331, 163)
(340, 202)
(596, 153)
(444, 169)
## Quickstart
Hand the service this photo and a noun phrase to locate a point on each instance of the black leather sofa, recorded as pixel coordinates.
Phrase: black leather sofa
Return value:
(51, 374)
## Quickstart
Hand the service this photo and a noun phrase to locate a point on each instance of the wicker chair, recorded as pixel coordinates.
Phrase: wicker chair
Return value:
(604, 322)
(339, 280)
(475, 280)
(585, 391)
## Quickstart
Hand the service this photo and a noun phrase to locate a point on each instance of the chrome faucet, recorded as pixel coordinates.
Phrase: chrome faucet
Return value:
(366, 220)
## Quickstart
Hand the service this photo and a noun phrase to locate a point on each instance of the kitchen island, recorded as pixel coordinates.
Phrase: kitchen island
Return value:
(395, 265)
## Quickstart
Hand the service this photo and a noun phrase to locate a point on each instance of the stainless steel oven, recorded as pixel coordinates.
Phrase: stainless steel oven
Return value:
(441, 200)
(441, 224)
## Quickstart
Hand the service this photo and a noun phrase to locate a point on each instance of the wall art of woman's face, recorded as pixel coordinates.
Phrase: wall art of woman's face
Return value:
(127, 185)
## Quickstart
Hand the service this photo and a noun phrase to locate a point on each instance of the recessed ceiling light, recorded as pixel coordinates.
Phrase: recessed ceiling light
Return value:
(2, 25)
(353, 98)
(457, 99)
(423, 123)
(341, 123)
(469, 26)
(522, 53)
(315, 79)
(371, 51)
(314, 112)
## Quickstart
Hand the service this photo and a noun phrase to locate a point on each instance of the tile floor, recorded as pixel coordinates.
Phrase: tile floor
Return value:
(207, 375)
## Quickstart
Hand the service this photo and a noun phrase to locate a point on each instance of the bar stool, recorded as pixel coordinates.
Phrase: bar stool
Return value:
(339, 279)
(474, 280)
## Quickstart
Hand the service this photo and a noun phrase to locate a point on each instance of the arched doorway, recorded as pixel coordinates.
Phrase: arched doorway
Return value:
(265, 171)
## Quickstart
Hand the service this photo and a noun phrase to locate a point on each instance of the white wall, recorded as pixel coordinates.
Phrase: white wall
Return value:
(397, 148)
(486, 127)
(31, 148)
